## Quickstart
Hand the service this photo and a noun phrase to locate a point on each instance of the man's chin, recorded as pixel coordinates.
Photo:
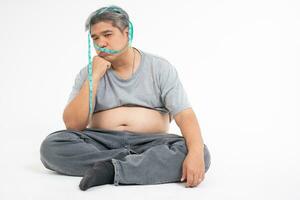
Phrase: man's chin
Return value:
(108, 57)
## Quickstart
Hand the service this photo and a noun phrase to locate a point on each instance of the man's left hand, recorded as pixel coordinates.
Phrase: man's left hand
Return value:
(193, 169)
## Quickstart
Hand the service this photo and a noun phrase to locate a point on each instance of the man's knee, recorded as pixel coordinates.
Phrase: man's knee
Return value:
(51, 146)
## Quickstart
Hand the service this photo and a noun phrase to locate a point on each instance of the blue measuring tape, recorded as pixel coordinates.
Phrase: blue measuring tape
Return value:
(109, 51)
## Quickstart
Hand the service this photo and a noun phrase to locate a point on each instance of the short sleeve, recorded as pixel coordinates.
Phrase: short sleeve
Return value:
(79, 80)
(173, 94)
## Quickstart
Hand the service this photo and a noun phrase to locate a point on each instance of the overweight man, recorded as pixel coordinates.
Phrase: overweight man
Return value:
(136, 95)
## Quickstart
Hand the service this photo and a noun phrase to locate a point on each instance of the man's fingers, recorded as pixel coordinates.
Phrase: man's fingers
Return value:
(196, 180)
(183, 174)
(201, 178)
(190, 179)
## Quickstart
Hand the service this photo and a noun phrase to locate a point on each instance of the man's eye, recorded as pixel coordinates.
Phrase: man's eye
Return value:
(106, 35)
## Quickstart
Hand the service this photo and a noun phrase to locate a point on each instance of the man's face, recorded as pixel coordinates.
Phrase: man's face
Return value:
(107, 36)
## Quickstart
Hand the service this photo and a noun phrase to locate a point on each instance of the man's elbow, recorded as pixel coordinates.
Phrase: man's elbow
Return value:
(73, 125)
(179, 117)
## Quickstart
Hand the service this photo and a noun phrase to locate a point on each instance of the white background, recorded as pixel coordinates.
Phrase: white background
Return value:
(238, 61)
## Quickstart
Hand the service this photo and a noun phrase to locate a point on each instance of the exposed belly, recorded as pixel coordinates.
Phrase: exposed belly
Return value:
(135, 119)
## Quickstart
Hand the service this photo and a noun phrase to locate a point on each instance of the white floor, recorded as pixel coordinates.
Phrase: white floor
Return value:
(238, 171)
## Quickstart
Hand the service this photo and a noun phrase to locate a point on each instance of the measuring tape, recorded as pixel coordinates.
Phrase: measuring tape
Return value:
(109, 51)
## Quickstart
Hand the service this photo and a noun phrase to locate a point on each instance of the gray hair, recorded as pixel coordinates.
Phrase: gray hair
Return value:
(116, 15)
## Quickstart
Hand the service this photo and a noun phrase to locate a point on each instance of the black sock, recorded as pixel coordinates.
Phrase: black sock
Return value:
(101, 173)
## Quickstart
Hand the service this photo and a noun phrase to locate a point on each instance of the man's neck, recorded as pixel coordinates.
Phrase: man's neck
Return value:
(124, 62)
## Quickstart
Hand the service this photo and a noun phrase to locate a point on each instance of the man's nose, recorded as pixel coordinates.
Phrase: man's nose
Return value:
(102, 43)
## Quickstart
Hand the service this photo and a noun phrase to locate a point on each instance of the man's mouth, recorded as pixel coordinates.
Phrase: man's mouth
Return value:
(102, 54)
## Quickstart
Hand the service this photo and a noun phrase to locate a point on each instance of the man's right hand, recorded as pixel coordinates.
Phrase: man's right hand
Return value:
(100, 65)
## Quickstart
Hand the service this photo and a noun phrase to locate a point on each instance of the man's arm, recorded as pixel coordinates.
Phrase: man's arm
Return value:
(187, 121)
(193, 167)
(76, 113)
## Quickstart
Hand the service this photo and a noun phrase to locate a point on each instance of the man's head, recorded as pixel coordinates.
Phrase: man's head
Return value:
(109, 28)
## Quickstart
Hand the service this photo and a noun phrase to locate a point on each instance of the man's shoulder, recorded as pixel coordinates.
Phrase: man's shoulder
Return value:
(83, 72)
(157, 60)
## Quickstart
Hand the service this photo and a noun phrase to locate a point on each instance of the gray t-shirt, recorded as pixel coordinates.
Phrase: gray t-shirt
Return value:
(154, 85)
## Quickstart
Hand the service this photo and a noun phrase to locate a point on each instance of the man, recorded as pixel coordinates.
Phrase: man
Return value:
(135, 96)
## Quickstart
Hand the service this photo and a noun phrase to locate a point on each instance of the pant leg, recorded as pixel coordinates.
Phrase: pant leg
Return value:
(73, 152)
(153, 159)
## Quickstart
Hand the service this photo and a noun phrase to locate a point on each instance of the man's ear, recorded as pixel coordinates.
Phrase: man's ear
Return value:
(125, 31)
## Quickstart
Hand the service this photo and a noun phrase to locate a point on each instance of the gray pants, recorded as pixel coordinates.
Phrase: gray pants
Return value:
(137, 158)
